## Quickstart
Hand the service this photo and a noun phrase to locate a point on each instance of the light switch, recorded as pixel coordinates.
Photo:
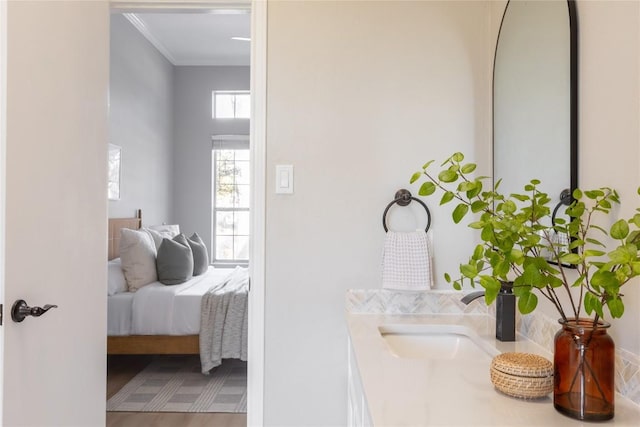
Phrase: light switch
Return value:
(284, 179)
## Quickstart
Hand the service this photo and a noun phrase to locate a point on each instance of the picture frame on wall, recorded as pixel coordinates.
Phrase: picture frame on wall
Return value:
(115, 166)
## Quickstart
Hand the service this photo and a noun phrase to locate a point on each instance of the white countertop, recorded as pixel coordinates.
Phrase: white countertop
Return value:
(423, 392)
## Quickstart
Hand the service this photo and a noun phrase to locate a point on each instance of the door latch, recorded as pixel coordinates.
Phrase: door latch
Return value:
(20, 310)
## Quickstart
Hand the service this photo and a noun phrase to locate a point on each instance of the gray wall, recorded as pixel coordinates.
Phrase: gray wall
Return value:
(141, 117)
(194, 127)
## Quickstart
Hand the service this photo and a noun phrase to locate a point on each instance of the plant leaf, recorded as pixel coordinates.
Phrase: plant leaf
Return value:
(605, 279)
(509, 207)
(619, 229)
(448, 176)
(621, 255)
(427, 188)
(527, 302)
(468, 270)
(426, 165)
(466, 186)
(478, 252)
(598, 228)
(592, 303)
(459, 212)
(520, 197)
(487, 233)
(593, 252)
(594, 194)
(468, 168)
(416, 176)
(477, 188)
(571, 258)
(633, 236)
(531, 275)
(446, 197)
(596, 242)
(616, 307)
(577, 194)
(576, 244)
(491, 288)
(478, 205)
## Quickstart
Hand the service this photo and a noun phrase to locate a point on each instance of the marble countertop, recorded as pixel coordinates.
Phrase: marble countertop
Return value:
(422, 392)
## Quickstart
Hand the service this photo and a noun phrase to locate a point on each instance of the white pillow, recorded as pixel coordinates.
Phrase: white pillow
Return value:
(172, 229)
(116, 282)
(157, 236)
(138, 257)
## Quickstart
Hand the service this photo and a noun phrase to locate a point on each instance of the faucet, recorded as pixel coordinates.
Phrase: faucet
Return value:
(505, 311)
(472, 296)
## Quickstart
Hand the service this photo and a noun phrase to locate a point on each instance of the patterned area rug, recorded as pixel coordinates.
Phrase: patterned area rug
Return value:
(175, 384)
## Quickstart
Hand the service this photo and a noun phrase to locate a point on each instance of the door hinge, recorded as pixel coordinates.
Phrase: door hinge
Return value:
(1, 310)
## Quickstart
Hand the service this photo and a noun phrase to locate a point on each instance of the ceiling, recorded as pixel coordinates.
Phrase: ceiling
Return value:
(197, 38)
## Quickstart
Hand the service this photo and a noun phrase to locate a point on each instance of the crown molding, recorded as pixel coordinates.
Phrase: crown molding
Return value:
(140, 26)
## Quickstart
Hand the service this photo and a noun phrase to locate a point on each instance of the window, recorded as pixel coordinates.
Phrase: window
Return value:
(228, 104)
(115, 158)
(230, 157)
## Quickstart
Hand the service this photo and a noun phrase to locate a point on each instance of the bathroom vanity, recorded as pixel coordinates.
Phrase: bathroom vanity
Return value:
(433, 370)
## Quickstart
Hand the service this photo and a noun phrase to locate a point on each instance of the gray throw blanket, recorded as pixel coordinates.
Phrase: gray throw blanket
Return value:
(223, 321)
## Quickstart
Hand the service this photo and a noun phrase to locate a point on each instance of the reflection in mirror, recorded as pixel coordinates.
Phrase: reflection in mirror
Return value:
(535, 101)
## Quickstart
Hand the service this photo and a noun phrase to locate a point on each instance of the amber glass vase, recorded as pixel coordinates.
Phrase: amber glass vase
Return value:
(584, 370)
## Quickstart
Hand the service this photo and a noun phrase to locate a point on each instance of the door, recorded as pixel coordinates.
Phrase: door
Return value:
(56, 208)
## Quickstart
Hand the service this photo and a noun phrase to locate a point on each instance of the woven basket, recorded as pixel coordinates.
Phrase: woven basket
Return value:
(523, 375)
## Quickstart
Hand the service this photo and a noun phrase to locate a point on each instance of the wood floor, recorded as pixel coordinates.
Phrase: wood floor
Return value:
(120, 369)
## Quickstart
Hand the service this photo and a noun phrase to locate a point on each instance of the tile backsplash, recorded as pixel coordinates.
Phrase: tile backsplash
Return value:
(382, 301)
(538, 327)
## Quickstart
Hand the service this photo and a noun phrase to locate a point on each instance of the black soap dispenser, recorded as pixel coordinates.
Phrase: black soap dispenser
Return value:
(506, 313)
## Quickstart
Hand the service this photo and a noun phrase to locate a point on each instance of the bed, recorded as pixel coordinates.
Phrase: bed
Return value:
(159, 319)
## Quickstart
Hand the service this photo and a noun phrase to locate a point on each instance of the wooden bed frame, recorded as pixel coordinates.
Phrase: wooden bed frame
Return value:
(144, 344)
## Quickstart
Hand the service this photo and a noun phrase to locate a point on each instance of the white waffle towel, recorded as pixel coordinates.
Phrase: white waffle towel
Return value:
(406, 261)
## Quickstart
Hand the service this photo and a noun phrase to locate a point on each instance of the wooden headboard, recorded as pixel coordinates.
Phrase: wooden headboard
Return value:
(115, 225)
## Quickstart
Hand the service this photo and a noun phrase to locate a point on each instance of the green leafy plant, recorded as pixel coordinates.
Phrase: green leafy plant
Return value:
(520, 242)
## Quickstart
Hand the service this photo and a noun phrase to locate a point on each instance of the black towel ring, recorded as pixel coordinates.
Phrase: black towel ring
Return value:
(403, 198)
(565, 199)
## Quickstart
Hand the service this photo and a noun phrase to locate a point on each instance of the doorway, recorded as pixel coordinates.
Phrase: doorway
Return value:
(258, 76)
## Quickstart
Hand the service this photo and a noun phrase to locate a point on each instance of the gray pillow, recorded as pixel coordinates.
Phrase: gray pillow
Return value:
(174, 261)
(200, 254)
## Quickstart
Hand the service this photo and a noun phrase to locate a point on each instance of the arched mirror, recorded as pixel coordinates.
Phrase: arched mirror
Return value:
(535, 97)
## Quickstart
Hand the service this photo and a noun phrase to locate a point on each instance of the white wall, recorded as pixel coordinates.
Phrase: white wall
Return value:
(609, 125)
(192, 148)
(141, 122)
(609, 122)
(360, 95)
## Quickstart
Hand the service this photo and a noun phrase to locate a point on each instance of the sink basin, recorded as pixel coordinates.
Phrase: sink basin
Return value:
(425, 341)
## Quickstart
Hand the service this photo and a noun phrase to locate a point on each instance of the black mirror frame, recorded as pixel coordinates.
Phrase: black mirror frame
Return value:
(573, 107)
(573, 31)
(573, 92)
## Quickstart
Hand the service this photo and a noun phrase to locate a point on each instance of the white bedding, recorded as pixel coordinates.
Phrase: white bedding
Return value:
(119, 313)
(157, 309)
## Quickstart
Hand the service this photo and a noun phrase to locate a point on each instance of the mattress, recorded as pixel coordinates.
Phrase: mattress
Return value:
(157, 309)
(119, 313)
